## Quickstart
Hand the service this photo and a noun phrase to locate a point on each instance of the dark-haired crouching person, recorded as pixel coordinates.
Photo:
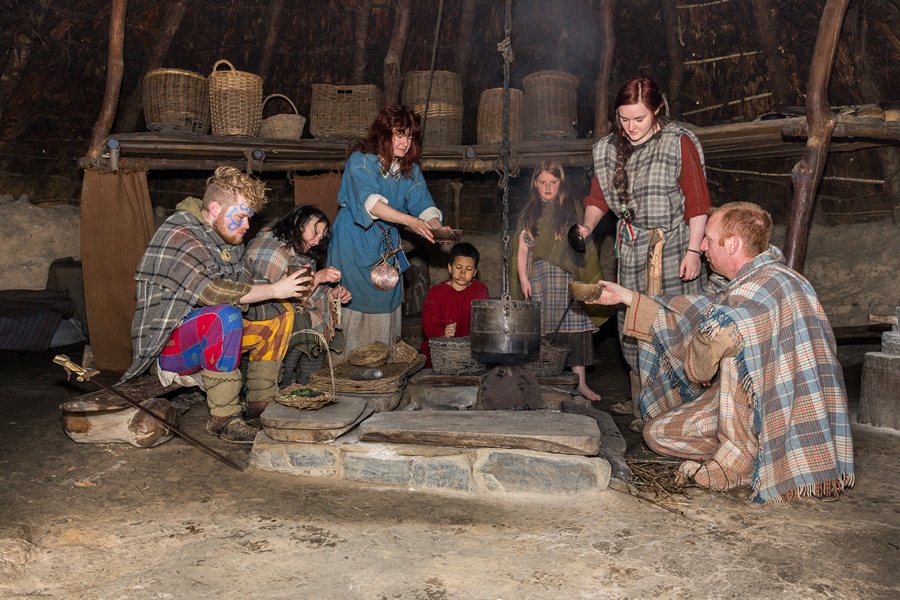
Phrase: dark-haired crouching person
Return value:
(192, 286)
(775, 418)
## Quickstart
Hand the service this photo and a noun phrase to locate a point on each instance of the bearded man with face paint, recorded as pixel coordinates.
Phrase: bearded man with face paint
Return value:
(193, 285)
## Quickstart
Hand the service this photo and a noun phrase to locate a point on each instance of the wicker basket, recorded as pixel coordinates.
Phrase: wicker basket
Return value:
(282, 127)
(395, 375)
(343, 111)
(176, 99)
(443, 123)
(490, 116)
(453, 356)
(551, 105)
(549, 362)
(322, 399)
(235, 101)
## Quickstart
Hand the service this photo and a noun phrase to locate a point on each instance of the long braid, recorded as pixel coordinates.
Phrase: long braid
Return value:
(624, 149)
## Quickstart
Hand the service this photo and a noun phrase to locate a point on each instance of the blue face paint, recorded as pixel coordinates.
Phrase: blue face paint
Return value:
(235, 216)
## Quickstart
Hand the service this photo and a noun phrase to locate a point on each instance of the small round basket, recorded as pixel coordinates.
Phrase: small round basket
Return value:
(282, 127)
(453, 356)
(370, 355)
(549, 362)
(314, 400)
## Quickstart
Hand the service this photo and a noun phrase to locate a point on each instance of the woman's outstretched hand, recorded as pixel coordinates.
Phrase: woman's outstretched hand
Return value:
(422, 228)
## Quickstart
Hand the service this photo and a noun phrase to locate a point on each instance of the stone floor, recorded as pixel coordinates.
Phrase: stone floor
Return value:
(101, 521)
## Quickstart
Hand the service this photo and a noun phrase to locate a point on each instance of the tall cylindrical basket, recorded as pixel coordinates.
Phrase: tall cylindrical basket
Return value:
(235, 100)
(551, 105)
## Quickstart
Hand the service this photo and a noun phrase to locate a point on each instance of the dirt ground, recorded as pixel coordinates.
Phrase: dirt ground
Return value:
(117, 522)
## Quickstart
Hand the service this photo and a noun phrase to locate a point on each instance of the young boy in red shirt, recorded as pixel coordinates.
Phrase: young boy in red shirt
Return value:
(448, 305)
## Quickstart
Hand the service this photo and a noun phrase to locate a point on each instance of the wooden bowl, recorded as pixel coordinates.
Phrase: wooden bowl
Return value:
(585, 292)
(446, 235)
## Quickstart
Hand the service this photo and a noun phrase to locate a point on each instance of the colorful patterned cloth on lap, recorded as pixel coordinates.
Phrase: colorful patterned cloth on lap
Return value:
(209, 338)
(787, 363)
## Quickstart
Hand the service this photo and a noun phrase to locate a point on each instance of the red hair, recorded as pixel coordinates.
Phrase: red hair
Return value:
(380, 137)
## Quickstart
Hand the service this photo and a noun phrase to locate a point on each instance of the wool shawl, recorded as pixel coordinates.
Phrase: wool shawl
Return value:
(183, 257)
(786, 362)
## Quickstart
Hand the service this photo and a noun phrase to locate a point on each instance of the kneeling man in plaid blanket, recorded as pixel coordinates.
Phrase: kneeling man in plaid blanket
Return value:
(743, 380)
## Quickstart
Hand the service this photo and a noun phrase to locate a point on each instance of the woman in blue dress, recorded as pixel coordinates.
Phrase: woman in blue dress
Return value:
(382, 189)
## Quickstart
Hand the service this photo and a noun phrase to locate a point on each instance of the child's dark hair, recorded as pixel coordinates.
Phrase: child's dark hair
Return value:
(464, 249)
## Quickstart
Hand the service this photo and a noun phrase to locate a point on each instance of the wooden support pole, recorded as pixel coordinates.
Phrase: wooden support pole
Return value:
(807, 173)
(131, 110)
(18, 58)
(394, 55)
(601, 86)
(464, 41)
(765, 24)
(676, 61)
(273, 14)
(363, 11)
(115, 68)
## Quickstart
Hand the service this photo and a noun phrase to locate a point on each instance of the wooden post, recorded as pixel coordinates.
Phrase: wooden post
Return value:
(18, 58)
(808, 172)
(272, 20)
(464, 42)
(394, 55)
(363, 11)
(608, 46)
(115, 68)
(131, 110)
(762, 10)
(676, 61)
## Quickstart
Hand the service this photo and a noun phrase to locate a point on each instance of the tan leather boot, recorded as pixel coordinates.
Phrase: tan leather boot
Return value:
(262, 383)
(232, 429)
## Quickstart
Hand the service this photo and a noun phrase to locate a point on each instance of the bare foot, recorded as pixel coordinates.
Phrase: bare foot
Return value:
(588, 393)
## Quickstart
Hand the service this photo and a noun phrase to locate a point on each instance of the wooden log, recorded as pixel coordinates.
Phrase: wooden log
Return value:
(464, 41)
(848, 130)
(601, 86)
(133, 105)
(273, 14)
(127, 425)
(676, 61)
(21, 52)
(807, 173)
(394, 55)
(363, 11)
(765, 24)
(115, 68)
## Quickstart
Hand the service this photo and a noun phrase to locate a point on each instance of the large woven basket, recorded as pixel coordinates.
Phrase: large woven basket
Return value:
(443, 123)
(343, 111)
(395, 375)
(235, 101)
(551, 105)
(490, 116)
(550, 361)
(282, 127)
(177, 100)
(453, 356)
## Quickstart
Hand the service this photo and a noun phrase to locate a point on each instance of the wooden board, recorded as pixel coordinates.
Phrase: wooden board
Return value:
(313, 436)
(334, 416)
(559, 433)
(137, 389)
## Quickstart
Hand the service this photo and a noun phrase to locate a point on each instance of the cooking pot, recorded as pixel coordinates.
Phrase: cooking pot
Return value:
(505, 332)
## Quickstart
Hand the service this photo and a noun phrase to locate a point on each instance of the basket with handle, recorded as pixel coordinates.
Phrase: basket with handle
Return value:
(176, 99)
(235, 101)
(318, 398)
(282, 127)
(550, 361)
(453, 356)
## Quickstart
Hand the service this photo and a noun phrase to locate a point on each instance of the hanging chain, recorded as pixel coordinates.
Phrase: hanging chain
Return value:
(505, 48)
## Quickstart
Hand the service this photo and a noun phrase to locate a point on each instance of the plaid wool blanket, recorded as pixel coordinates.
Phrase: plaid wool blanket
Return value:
(787, 363)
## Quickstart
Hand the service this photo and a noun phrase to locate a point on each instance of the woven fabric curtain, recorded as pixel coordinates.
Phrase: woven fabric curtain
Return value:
(116, 226)
(318, 190)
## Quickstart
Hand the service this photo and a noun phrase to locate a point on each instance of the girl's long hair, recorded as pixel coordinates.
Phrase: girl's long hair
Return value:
(639, 89)
(380, 138)
(564, 215)
(289, 231)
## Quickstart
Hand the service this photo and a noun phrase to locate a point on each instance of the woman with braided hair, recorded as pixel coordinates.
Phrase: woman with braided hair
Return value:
(650, 174)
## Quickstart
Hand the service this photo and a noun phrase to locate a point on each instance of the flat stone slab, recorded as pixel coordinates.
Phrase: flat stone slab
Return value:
(380, 402)
(343, 413)
(428, 377)
(507, 471)
(429, 397)
(315, 435)
(543, 431)
(879, 400)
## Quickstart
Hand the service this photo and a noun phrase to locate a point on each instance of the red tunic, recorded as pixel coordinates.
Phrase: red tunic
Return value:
(691, 180)
(444, 305)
